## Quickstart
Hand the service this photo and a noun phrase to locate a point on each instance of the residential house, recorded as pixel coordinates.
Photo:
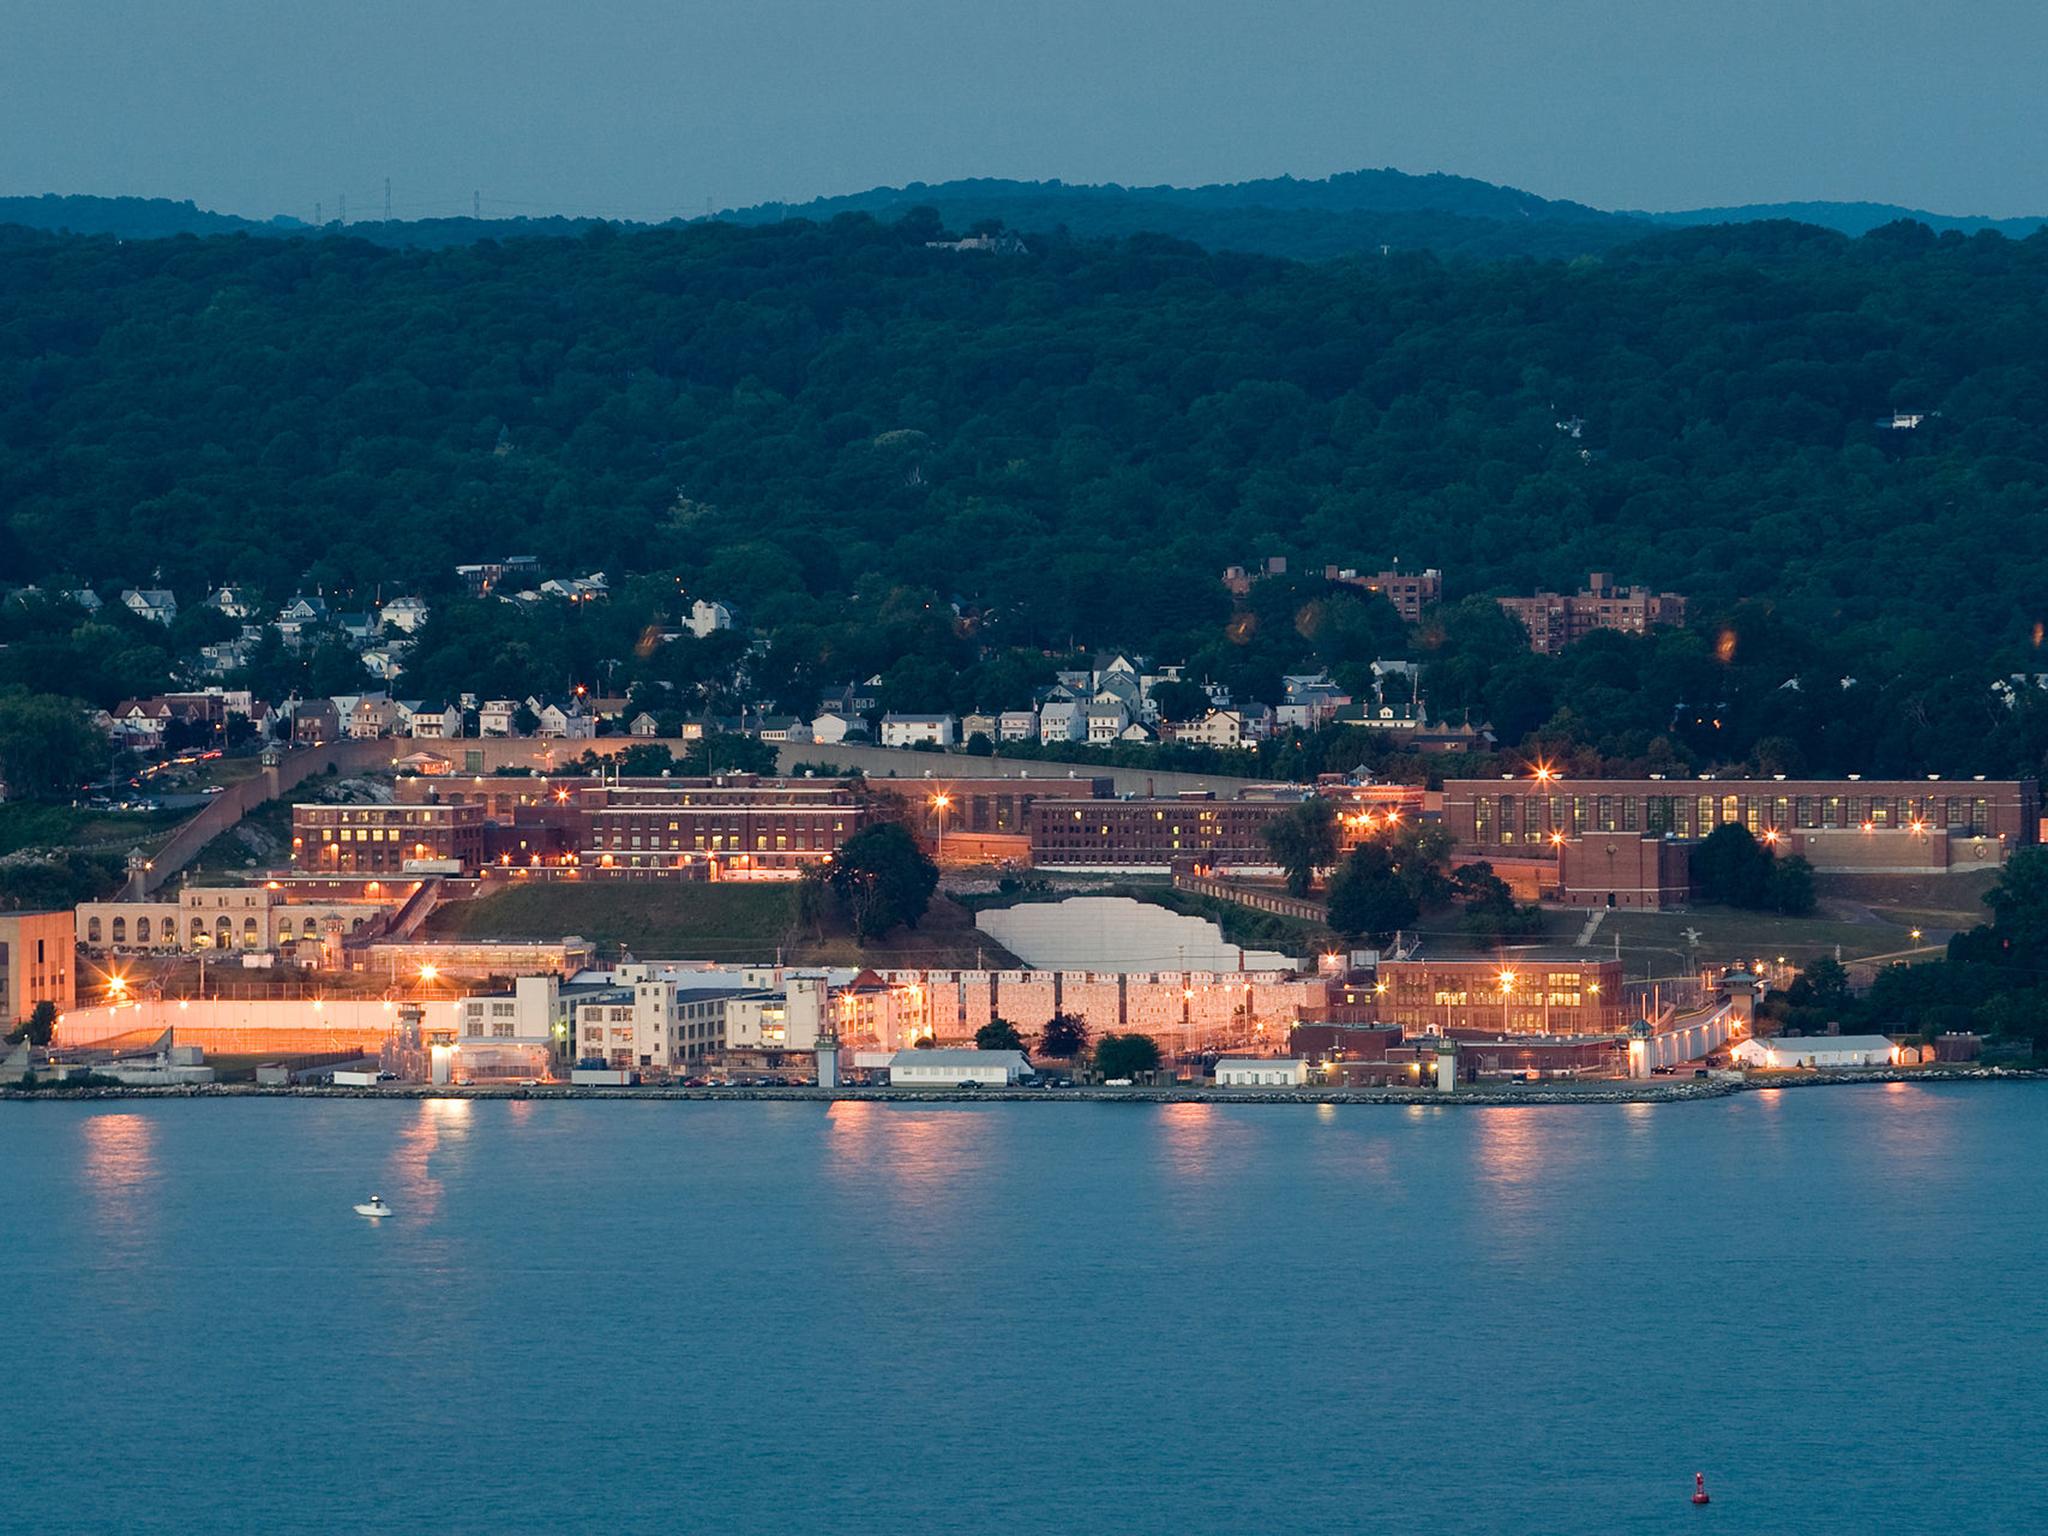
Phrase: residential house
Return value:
(1308, 701)
(1137, 732)
(578, 589)
(1062, 720)
(82, 597)
(437, 721)
(141, 723)
(405, 614)
(314, 721)
(915, 730)
(511, 572)
(854, 700)
(234, 602)
(566, 720)
(359, 629)
(1218, 728)
(1017, 725)
(833, 727)
(372, 714)
(643, 724)
(494, 717)
(297, 619)
(1105, 722)
(152, 603)
(707, 617)
(383, 662)
(975, 725)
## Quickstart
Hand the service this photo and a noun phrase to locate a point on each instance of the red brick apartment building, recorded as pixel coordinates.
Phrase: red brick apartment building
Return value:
(1555, 620)
(1624, 842)
(737, 826)
(1409, 591)
(387, 839)
(1156, 832)
(1537, 813)
(980, 820)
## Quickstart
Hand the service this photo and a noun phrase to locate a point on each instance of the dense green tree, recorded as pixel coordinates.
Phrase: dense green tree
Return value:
(1731, 867)
(1126, 1055)
(1303, 841)
(1368, 897)
(998, 1035)
(884, 879)
(1177, 700)
(47, 746)
(1064, 1037)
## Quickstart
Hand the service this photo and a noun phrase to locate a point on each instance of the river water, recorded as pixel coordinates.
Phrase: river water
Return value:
(1066, 1317)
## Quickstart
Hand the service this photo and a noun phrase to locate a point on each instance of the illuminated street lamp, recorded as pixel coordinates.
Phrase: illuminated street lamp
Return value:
(939, 803)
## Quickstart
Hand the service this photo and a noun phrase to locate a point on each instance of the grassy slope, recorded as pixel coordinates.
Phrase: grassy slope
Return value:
(33, 824)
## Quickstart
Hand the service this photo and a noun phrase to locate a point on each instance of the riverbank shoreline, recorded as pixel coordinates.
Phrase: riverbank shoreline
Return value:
(1484, 1095)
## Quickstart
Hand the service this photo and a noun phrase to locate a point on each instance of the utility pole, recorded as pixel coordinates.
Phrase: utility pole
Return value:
(387, 199)
(316, 213)
(476, 204)
(342, 216)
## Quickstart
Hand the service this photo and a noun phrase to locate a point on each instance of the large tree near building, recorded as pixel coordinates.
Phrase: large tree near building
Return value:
(998, 1035)
(1303, 841)
(1126, 1055)
(883, 879)
(40, 1026)
(1368, 896)
(1064, 1037)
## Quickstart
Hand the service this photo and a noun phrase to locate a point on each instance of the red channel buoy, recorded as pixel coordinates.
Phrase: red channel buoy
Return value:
(1699, 1488)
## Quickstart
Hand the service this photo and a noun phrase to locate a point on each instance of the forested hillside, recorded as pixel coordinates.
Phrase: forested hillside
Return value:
(826, 423)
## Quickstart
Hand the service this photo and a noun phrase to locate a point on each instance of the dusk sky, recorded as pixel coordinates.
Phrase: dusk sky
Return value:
(643, 110)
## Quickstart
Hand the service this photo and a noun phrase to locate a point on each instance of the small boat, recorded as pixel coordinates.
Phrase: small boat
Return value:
(375, 1207)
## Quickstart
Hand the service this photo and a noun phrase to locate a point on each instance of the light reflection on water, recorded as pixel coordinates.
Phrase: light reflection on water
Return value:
(119, 1166)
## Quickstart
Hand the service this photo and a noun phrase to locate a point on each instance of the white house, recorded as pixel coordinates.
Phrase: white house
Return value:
(1822, 1052)
(958, 1069)
(299, 616)
(705, 618)
(568, 722)
(1106, 722)
(912, 730)
(1017, 725)
(233, 602)
(1062, 720)
(403, 613)
(831, 728)
(151, 603)
(436, 721)
(494, 716)
(1261, 1072)
(1218, 728)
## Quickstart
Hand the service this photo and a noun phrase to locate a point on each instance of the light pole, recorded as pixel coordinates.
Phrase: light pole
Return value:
(1507, 987)
(939, 803)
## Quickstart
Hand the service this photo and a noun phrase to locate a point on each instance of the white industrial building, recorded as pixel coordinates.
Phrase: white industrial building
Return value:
(955, 1069)
(1821, 1052)
(1261, 1072)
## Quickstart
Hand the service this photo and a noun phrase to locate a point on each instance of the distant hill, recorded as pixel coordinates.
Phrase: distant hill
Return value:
(1357, 213)
(1848, 218)
(132, 218)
